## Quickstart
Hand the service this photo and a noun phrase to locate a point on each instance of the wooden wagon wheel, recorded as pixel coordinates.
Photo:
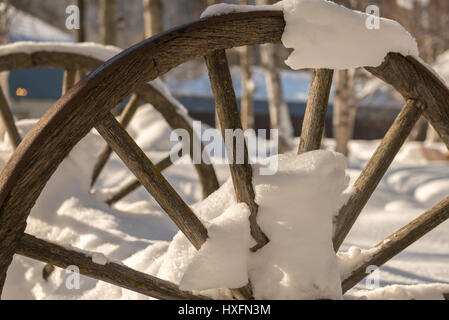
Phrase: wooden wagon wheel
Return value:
(72, 61)
(88, 105)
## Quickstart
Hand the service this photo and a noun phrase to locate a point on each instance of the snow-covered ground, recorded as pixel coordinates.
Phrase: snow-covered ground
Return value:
(138, 233)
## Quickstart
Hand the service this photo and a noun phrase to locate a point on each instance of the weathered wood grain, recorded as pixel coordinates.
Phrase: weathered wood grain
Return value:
(113, 273)
(315, 116)
(400, 240)
(7, 119)
(48, 59)
(228, 115)
(375, 169)
(242, 174)
(150, 177)
(415, 81)
(135, 183)
(106, 151)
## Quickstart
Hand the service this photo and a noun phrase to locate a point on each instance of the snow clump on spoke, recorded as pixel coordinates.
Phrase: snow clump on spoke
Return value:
(296, 210)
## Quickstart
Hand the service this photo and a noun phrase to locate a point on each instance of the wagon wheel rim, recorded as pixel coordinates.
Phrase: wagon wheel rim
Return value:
(146, 61)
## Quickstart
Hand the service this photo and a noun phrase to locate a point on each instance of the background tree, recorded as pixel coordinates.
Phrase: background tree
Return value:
(247, 102)
(154, 17)
(345, 103)
(278, 110)
(4, 21)
(345, 108)
(80, 34)
(4, 38)
(108, 18)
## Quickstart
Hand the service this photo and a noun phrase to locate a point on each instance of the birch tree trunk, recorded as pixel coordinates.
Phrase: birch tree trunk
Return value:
(108, 19)
(217, 121)
(247, 104)
(80, 34)
(279, 114)
(154, 17)
(345, 108)
(247, 101)
(4, 39)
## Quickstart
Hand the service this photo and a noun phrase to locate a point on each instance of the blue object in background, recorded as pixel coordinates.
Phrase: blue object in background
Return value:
(39, 83)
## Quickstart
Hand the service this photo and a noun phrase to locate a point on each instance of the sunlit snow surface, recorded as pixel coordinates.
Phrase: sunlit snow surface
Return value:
(326, 35)
(137, 232)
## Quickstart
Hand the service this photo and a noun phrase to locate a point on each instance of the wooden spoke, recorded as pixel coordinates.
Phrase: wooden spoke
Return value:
(228, 115)
(69, 80)
(105, 152)
(102, 159)
(135, 183)
(315, 116)
(157, 186)
(375, 169)
(8, 121)
(242, 174)
(400, 240)
(136, 160)
(113, 273)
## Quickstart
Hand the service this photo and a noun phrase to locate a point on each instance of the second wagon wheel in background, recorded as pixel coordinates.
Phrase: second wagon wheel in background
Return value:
(88, 105)
(75, 59)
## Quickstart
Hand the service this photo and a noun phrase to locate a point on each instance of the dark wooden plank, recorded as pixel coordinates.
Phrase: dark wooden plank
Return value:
(135, 183)
(106, 151)
(315, 116)
(400, 240)
(7, 119)
(113, 273)
(150, 177)
(375, 169)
